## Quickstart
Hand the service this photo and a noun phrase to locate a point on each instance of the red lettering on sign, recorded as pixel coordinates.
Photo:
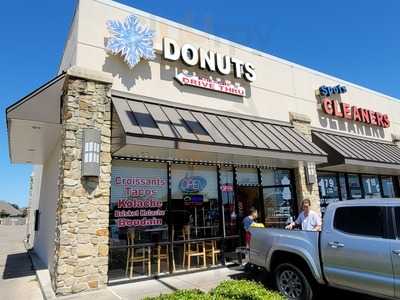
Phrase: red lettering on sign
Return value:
(346, 110)
(336, 109)
(356, 114)
(365, 115)
(372, 117)
(379, 119)
(327, 106)
(386, 121)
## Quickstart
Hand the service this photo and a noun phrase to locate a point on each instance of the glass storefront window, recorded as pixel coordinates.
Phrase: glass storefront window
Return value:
(278, 206)
(270, 177)
(328, 189)
(247, 176)
(229, 216)
(388, 187)
(195, 213)
(355, 186)
(228, 201)
(278, 198)
(138, 216)
(371, 186)
(343, 189)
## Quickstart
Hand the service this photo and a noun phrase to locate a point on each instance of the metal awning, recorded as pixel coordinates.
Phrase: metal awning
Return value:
(152, 124)
(349, 153)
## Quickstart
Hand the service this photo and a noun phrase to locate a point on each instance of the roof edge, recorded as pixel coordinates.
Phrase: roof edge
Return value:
(142, 13)
(349, 135)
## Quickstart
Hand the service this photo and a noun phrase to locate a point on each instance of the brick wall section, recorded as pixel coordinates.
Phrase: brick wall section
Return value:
(302, 124)
(81, 242)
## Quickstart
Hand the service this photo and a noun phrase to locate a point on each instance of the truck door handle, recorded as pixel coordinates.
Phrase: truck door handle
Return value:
(335, 245)
(396, 252)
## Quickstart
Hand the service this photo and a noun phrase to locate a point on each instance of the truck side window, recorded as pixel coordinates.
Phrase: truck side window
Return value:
(365, 221)
(397, 216)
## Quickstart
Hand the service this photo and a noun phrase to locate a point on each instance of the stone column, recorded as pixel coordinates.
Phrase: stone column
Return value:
(81, 237)
(302, 123)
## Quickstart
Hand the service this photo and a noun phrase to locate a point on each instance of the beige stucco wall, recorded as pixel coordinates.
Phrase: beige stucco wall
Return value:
(36, 184)
(70, 48)
(281, 86)
(44, 237)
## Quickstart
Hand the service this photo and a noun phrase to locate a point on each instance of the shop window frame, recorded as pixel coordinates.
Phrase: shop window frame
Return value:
(395, 181)
(291, 186)
(336, 175)
(222, 238)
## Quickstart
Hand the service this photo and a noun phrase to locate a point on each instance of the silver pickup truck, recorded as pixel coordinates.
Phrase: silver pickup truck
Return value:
(358, 249)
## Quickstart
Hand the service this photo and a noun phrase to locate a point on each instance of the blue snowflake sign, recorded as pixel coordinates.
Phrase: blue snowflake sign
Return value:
(131, 40)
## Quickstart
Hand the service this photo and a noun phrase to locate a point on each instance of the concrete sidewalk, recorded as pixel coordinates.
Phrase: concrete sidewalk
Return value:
(18, 280)
(204, 281)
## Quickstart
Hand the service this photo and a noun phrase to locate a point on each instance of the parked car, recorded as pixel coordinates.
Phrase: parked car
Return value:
(358, 249)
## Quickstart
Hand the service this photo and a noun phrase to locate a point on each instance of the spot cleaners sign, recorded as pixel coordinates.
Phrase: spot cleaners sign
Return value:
(357, 114)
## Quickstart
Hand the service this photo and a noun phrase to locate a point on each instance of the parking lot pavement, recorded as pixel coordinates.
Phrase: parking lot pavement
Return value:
(18, 280)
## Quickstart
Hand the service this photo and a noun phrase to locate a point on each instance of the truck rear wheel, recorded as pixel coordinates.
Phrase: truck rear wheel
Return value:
(292, 282)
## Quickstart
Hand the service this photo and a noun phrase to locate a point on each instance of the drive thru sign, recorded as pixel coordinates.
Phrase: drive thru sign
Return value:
(210, 84)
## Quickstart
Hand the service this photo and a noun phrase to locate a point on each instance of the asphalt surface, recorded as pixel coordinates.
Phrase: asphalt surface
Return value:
(18, 280)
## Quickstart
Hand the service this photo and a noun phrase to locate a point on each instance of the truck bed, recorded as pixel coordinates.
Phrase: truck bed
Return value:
(265, 241)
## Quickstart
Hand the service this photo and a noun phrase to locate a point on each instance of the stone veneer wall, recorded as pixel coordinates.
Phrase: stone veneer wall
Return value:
(302, 124)
(81, 238)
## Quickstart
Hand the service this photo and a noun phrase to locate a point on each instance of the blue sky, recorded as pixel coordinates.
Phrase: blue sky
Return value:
(358, 41)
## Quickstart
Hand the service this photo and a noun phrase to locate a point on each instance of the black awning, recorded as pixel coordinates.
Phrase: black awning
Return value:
(349, 150)
(206, 131)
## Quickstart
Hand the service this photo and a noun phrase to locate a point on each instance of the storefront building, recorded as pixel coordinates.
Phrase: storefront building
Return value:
(155, 140)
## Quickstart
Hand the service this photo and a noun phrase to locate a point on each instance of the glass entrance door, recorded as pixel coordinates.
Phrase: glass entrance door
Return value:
(248, 197)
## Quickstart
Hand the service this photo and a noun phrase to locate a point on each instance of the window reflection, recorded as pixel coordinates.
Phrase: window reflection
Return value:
(195, 215)
(343, 189)
(271, 177)
(247, 176)
(371, 186)
(388, 187)
(278, 199)
(328, 189)
(278, 206)
(138, 216)
(228, 201)
(355, 186)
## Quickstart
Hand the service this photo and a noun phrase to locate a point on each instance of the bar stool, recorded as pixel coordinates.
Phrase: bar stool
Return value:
(163, 254)
(212, 251)
(137, 255)
(192, 249)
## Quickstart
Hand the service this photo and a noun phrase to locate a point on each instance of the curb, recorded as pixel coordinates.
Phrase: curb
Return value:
(43, 277)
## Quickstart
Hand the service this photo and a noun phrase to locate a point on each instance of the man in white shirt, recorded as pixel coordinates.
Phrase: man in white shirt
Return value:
(308, 220)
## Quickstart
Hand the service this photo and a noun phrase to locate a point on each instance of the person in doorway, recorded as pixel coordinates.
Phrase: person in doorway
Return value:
(308, 219)
(247, 223)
